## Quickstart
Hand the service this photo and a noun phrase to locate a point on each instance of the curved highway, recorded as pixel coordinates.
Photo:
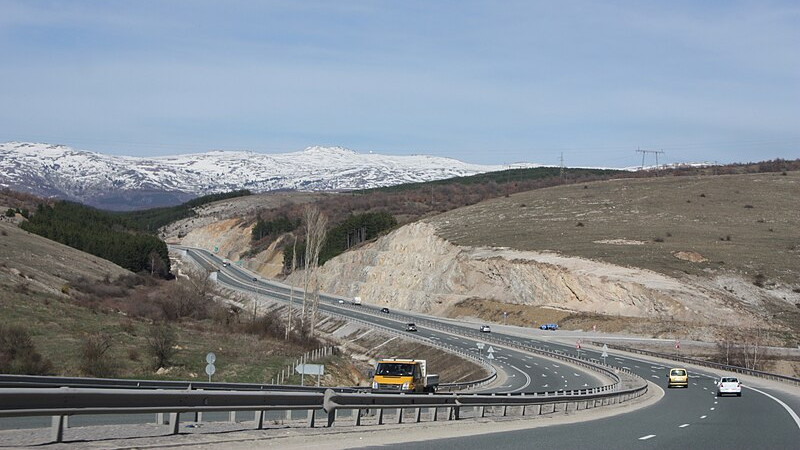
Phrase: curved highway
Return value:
(692, 417)
(519, 371)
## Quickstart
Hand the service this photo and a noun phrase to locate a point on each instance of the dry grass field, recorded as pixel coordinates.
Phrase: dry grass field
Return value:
(743, 224)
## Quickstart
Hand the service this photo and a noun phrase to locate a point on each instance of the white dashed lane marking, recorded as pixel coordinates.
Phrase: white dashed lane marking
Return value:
(703, 417)
(649, 436)
(684, 425)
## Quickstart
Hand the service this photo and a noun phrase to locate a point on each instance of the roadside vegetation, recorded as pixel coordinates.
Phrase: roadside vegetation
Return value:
(140, 327)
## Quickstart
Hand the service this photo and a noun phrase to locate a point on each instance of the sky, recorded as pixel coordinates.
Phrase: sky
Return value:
(488, 82)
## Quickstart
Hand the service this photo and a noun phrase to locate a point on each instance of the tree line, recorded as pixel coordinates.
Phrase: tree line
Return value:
(100, 233)
(368, 225)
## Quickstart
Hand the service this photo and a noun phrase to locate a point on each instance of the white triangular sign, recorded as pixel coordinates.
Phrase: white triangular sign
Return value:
(490, 356)
(491, 350)
(605, 351)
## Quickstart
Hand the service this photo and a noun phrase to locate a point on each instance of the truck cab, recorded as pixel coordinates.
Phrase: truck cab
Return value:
(403, 375)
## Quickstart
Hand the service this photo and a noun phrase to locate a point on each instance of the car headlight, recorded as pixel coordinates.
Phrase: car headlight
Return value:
(406, 385)
(374, 385)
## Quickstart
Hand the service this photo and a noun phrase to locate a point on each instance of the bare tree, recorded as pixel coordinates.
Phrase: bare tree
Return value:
(156, 263)
(291, 289)
(315, 237)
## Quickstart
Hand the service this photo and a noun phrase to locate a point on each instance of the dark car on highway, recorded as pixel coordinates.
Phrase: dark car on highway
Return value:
(385, 310)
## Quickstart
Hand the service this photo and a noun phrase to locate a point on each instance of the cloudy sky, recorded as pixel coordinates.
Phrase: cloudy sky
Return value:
(482, 81)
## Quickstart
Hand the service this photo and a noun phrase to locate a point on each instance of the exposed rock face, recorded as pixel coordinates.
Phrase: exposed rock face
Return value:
(231, 239)
(412, 268)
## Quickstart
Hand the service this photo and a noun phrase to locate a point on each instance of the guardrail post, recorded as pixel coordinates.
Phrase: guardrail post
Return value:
(331, 417)
(540, 410)
(380, 416)
(399, 415)
(358, 417)
(160, 419)
(288, 415)
(174, 422)
(311, 417)
(57, 429)
(435, 413)
(418, 417)
(232, 416)
(259, 417)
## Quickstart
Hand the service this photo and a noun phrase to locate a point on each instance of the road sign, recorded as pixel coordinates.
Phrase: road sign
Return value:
(211, 358)
(491, 350)
(490, 356)
(210, 370)
(480, 345)
(605, 351)
(310, 369)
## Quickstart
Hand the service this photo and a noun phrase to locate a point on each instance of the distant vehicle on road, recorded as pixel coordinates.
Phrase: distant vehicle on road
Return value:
(411, 327)
(356, 301)
(549, 326)
(340, 301)
(226, 263)
(385, 310)
(678, 377)
(486, 329)
(729, 385)
(255, 279)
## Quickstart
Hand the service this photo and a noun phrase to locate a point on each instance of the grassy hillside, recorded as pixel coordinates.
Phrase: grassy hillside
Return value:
(746, 224)
(64, 297)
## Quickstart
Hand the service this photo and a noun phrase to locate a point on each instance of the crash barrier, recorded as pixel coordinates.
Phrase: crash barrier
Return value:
(471, 384)
(32, 381)
(60, 403)
(700, 362)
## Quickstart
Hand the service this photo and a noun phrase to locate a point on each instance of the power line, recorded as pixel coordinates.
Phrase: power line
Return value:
(645, 152)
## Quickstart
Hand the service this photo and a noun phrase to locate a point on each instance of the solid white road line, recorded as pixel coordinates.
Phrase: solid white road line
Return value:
(785, 406)
(649, 436)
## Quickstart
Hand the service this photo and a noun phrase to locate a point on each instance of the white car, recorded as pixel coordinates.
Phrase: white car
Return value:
(486, 329)
(729, 385)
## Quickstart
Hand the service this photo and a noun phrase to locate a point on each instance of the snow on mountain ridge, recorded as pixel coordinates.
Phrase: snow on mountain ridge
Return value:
(134, 182)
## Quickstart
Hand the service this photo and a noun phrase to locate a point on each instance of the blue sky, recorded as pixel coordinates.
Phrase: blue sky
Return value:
(485, 82)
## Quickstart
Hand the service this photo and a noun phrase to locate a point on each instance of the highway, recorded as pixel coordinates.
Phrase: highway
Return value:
(693, 417)
(522, 371)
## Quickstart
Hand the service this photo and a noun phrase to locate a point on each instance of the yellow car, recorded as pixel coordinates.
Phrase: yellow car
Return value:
(678, 377)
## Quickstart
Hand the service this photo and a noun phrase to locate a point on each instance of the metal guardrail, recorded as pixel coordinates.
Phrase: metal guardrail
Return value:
(63, 402)
(700, 362)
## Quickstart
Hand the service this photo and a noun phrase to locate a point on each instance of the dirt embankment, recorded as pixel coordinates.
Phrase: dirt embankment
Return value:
(414, 269)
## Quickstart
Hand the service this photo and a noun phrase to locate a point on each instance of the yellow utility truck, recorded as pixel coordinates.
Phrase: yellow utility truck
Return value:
(403, 375)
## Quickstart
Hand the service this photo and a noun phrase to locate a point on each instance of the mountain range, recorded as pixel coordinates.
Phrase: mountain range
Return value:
(125, 182)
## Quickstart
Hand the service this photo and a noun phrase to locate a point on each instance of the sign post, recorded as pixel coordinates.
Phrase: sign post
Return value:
(480, 346)
(604, 355)
(311, 369)
(210, 368)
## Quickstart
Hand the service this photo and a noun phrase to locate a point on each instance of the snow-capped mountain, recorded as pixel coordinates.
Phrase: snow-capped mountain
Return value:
(123, 182)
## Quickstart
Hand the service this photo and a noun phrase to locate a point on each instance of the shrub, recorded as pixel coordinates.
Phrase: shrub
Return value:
(161, 339)
(759, 280)
(659, 239)
(127, 326)
(18, 355)
(579, 224)
(749, 206)
(95, 360)
(10, 212)
(133, 354)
